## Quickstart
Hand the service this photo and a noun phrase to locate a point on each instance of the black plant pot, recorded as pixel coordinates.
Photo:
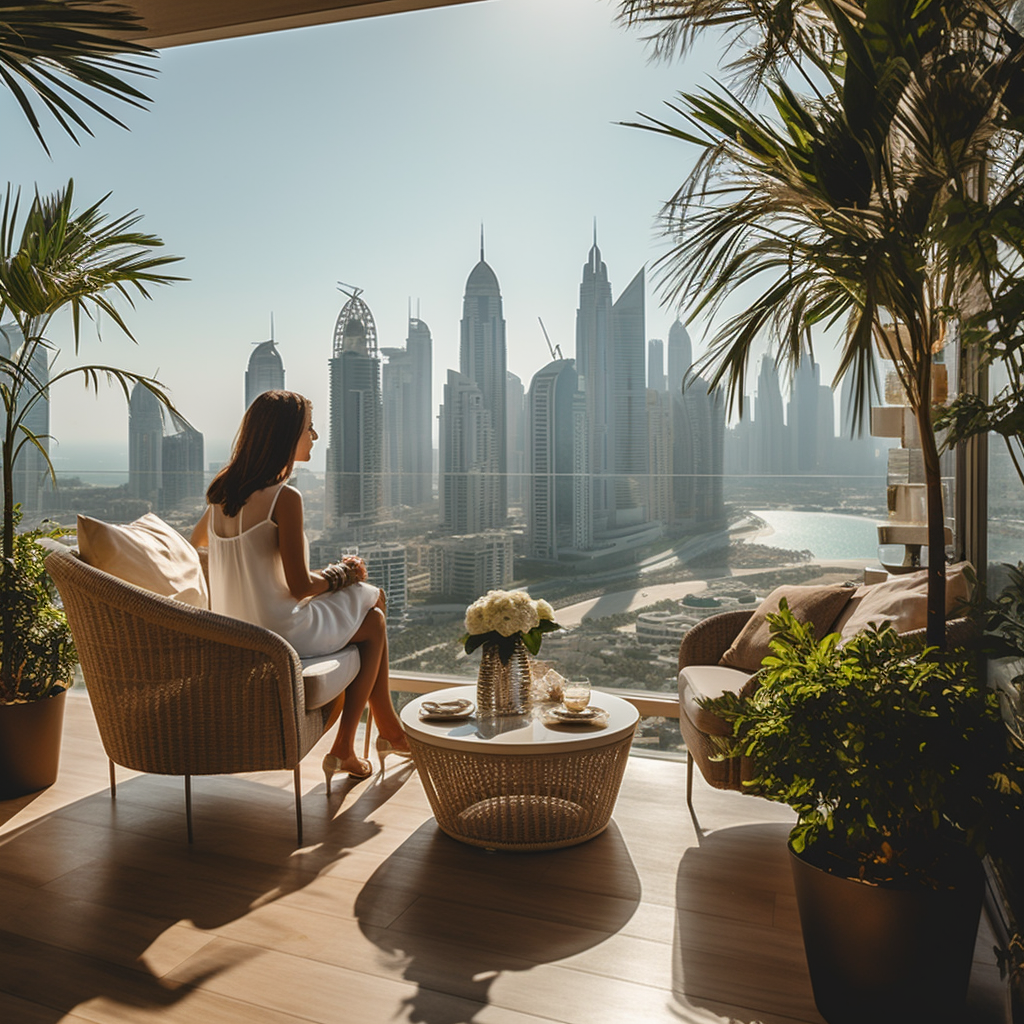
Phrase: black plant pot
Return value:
(888, 955)
(30, 736)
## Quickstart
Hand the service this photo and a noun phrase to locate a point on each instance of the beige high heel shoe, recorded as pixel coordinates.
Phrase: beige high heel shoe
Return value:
(332, 765)
(385, 747)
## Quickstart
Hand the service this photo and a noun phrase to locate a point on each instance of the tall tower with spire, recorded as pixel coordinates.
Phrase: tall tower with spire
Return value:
(265, 371)
(483, 360)
(593, 362)
(355, 446)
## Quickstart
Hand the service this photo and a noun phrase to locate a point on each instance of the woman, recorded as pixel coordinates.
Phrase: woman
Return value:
(259, 571)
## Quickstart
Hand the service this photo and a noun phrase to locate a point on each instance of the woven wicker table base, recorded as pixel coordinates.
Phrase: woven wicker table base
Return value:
(522, 801)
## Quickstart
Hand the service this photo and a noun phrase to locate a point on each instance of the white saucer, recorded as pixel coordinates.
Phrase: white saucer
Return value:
(588, 716)
(455, 714)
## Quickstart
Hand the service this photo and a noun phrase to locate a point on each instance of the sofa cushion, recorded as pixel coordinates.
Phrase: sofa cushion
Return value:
(148, 553)
(902, 600)
(816, 605)
(325, 677)
(696, 681)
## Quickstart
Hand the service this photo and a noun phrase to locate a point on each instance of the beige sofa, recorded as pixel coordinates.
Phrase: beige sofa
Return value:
(722, 653)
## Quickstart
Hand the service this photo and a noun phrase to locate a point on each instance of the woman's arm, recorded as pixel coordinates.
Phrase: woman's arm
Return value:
(201, 534)
(292, 545)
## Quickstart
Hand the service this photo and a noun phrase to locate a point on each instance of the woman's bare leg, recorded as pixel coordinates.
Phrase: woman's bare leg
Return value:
(371, 685)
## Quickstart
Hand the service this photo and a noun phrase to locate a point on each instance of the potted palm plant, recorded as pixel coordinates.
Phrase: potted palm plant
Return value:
(54, 258)
(886, 202)
(898, 767)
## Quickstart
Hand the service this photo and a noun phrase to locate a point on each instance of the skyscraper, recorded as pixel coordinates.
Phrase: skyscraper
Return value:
(770, 441)
(407, 419)
(355, 453)
(556, 432)
(31, 474)
(660, 434)
(468, 460)
(628, 413)
(482, 359)
(698, 453)
(593, 362)
(656, 378)
(181, 471)
(810, 419)
(145, 445)
(265, 371)
(518, 459)
(680, 356)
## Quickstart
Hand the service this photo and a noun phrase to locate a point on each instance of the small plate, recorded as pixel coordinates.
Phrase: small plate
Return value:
(588, 716)
(448, 711)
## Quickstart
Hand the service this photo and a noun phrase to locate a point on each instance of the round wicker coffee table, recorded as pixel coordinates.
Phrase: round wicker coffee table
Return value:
(517, 783)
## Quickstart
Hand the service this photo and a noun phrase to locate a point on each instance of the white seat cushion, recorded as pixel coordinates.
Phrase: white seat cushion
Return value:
(696, 681)
(325, 677)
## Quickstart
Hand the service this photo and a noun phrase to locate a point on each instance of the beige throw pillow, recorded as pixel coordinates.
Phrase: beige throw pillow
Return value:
(903, 601)
(148, 553)
(816, 605)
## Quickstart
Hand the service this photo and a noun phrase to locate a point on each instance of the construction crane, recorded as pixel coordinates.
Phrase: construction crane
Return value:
(555, 350)
(350, 290)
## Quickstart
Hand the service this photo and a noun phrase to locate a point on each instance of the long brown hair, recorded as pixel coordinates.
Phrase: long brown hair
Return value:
(264, 449)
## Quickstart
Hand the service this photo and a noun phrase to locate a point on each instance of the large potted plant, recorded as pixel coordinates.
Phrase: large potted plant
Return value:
(60, 55)
(896, 761)
(884, 200)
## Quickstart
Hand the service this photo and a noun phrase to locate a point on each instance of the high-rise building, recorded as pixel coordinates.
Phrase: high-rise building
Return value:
(265, 371)
(354, 495)
(810, 419)
(770, 454)
(699, 453)
(610, 357)
(468, 460)
(680, 356)
(31, 473)
(145, 445)
(518, 458)
(181, 471)
(628, 426)
(482, 360)
(660, 502)
(594, 346)
(463, 568)
(557, 436)
(656, 379)
(386, 567)
(407, 418)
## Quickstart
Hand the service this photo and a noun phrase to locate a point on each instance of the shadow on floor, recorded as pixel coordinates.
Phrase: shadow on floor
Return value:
(738, 949)
(90, 894)
(478, 914)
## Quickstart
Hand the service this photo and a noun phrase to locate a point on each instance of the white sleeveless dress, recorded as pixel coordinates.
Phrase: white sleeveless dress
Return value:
(247, 582)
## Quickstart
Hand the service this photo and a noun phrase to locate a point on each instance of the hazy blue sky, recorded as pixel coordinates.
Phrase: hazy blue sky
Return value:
(370, 152)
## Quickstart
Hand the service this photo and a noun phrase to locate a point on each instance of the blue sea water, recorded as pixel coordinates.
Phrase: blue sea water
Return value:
(824, 534)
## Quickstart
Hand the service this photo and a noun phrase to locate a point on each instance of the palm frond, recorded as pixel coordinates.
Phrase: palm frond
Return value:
(68, 54)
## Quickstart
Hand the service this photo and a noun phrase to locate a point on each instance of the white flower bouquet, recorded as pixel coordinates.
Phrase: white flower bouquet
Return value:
(504, 616)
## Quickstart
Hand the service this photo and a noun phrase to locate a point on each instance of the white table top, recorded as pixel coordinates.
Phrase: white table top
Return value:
(517, 735)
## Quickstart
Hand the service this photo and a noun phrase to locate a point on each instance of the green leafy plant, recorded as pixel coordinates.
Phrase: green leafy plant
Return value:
(882, 747)
(885, 199)
(39, 647)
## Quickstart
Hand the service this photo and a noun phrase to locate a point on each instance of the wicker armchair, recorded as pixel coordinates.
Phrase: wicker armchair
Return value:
(705, 644)
(178, 690)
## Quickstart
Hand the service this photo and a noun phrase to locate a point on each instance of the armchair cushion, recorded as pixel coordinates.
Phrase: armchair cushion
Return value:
(902, 600)
(148, 553)
(817, 605)
(697, 681)
(325, 677)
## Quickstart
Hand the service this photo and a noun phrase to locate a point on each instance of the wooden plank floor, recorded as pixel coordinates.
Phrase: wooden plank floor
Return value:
(108, 916)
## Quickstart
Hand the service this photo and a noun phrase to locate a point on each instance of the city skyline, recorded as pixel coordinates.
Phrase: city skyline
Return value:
(277, 211)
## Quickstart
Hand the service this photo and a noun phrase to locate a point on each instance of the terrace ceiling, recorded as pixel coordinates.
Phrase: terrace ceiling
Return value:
(175, 22)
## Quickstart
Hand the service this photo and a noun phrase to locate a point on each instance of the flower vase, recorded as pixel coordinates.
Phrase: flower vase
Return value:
(503, 688)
